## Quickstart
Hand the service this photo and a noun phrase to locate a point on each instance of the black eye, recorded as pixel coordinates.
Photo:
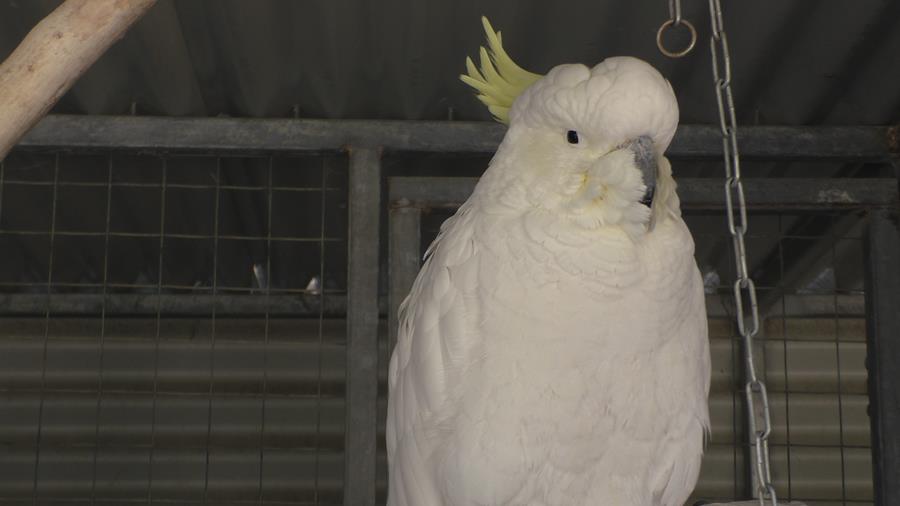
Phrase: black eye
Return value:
(572, 137)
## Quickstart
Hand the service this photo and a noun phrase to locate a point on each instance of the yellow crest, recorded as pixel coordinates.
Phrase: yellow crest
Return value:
(500, 80)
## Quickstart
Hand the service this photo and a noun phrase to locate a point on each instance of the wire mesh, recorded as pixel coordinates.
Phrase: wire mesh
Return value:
(812, 351)
(173, 331)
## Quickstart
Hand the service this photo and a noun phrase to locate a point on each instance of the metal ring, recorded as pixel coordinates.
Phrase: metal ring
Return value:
(676, 54)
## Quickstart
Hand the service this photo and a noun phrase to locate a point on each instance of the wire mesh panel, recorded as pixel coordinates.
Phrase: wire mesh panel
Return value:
(172, 329)
(812, 349)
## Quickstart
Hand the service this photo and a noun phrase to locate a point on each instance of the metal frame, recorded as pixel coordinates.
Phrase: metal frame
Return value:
(409, 197)
(883, 353)
(362, 327)
(226, 135)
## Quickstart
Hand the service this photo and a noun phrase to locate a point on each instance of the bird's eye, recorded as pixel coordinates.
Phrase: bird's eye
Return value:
(572, 137)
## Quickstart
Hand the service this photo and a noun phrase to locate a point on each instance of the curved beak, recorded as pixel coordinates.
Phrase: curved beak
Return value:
(645, 159)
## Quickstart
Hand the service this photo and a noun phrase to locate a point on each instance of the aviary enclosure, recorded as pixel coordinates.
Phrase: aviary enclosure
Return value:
(199, 310)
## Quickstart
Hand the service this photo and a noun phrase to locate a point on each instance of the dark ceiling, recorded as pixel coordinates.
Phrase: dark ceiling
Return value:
(795, 62)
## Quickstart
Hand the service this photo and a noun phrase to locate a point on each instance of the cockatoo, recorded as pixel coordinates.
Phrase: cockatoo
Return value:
(553, 349)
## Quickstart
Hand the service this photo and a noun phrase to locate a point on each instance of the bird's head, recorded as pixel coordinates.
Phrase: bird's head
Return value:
(584, 143)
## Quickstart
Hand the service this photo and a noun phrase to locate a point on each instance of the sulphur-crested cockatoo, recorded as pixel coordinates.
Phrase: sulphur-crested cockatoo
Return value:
(553, 349)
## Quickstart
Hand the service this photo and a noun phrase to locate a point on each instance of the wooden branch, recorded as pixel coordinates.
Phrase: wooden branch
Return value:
(54, 55)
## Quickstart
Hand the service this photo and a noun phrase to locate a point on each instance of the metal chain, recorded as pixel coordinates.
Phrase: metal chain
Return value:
(675, 12)
(744, 288)
(675, 20)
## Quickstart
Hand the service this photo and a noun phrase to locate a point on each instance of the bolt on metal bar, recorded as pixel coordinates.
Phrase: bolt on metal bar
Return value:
(744, 288)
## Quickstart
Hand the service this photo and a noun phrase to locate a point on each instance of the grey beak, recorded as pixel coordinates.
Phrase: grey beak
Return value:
(645, 159)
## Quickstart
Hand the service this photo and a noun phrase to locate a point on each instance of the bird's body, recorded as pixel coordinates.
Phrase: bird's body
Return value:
(553, 349)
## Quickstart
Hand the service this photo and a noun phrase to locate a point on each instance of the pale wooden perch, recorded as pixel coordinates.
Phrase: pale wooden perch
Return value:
(54, 55)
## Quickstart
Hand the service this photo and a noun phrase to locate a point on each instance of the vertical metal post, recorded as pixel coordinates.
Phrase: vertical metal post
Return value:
(883, 353)
(362, 327)
(405, 240)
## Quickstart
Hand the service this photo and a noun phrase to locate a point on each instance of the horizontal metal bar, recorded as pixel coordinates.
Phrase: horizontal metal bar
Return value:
(230, 135)
(173, 304)
(181, 422)
(445, 192)
(183, 365)
(233, 474)
(153, 235)
(788, 142)
(158, 186)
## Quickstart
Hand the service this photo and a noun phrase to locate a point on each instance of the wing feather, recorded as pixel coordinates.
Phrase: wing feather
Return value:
(432, 344)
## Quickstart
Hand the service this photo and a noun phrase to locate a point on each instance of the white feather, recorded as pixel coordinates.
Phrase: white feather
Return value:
(553, 350)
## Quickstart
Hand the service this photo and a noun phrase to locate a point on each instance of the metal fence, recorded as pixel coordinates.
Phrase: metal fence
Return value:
(173, 328)
(197, 311)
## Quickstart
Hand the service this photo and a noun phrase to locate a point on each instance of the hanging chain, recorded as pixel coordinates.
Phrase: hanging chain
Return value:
(744, 288)
(675, 12)
(675, 21)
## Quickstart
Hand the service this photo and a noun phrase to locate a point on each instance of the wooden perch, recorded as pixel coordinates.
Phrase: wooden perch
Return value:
(54, 55)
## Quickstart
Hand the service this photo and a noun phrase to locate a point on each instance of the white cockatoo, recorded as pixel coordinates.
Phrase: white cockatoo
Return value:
(553, 349)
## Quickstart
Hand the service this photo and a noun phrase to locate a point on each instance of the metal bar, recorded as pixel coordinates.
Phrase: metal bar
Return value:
(282, 306)
(405, 241)
(230, 135)
(362, 326)
(172, 304)
(784, 194)
(77, 371)
(883, 353)
(175, 486)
